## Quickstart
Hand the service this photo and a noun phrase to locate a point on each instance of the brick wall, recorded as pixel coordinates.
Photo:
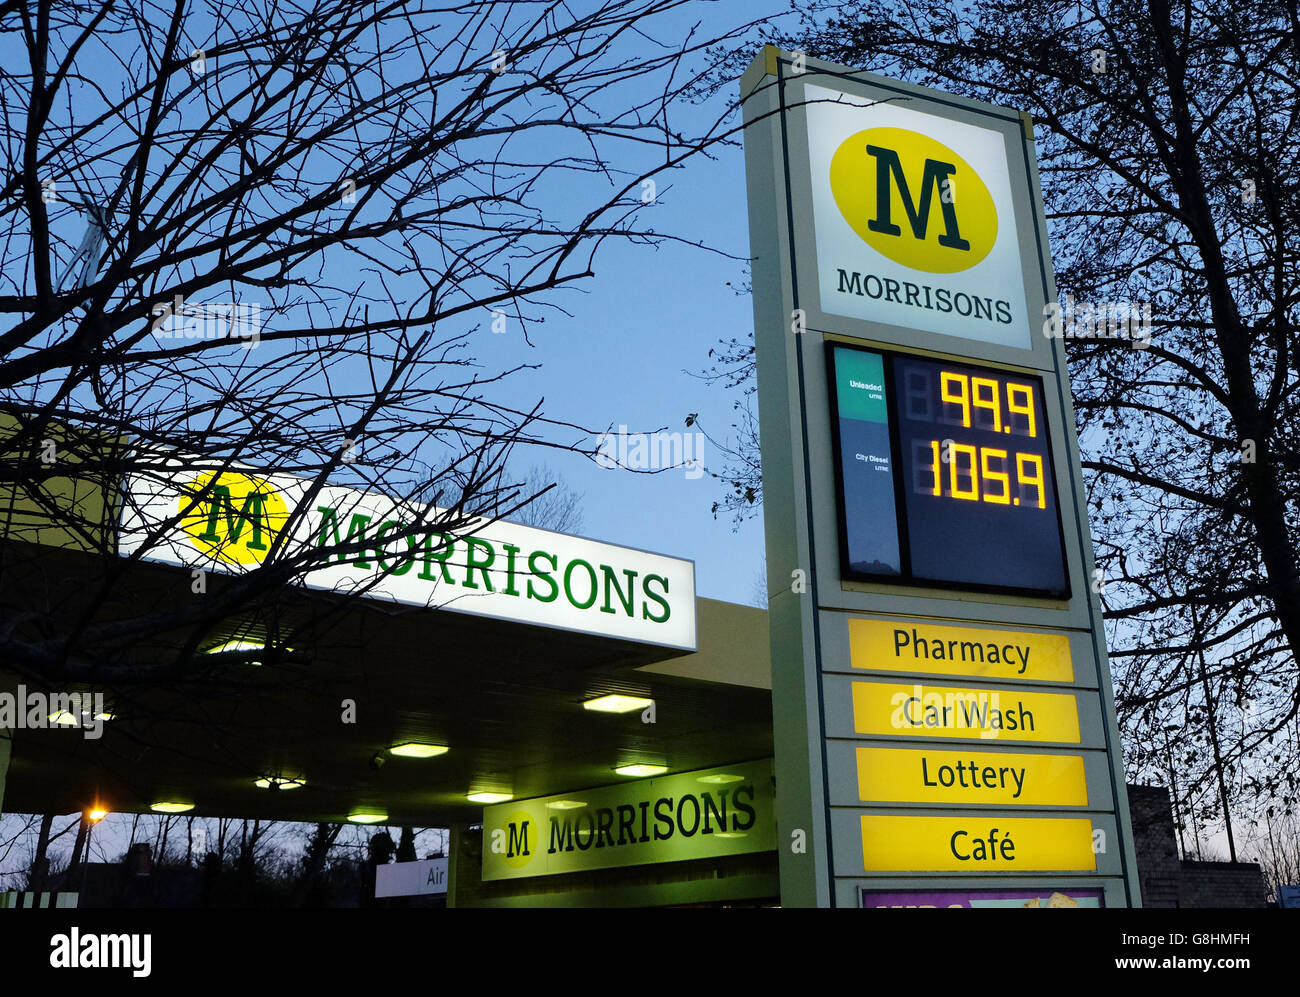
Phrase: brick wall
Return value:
(1168, 882)
(1222, 884)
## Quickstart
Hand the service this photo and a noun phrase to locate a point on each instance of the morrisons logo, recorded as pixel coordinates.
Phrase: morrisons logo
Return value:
(237, 518)
(913, 200)
(725, 812)
(515, 842)
(936, 180)
(705, 813)
(670, 817)
(232, 516)
(479, 565)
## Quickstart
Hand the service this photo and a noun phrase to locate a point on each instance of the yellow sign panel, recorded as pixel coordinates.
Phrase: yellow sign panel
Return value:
(909, 775)
(892, 710)
(977, 844)
(928, 647)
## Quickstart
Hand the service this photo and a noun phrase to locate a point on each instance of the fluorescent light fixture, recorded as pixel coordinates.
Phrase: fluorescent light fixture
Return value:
(730, 834)
(720, 778)
(64, 717)
(172, 807)
(280, 782)
(486, 797)
(242, 645)
(565, 805)
(414, 749)
(617, 704)
(79, 719)
(641, 770)
(236, 645)
(368, 816)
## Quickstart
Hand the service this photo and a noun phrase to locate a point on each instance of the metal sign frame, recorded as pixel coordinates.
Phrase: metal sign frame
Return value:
(809, 601)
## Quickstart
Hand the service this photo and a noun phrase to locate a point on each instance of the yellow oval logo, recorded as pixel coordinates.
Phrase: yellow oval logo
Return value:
(914, 200)
(231, 516)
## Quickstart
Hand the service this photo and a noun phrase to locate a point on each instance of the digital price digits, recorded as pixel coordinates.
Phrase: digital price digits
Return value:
(958, 486)
(970, 473)
(964, 391)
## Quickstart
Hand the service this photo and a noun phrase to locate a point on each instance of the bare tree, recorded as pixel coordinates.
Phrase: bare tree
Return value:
(552, 505)
(1167, 144)
(251, 235)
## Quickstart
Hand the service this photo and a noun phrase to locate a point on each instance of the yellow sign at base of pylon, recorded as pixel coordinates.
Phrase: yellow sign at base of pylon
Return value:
(977, 844)
(927, 775)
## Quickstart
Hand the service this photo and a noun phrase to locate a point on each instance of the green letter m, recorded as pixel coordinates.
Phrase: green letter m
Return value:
(889, 168)
(251, 512)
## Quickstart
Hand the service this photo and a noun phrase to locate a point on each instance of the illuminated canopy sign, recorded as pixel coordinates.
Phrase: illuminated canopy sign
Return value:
(691, 815)
(945, 474)
(230, 520)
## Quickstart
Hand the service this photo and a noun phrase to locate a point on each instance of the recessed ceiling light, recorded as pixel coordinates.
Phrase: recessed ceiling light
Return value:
(730, 834)
(75, 720)
(489, 797)
(720, 778)
(64, 717)
(414, 749)
(641, 770)
(368, 816)
(617, 704)
(278, 782)
(242, 645)
(565, 804)
(172, 807)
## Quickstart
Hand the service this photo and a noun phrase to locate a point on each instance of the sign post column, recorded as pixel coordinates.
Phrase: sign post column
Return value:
(942, 707)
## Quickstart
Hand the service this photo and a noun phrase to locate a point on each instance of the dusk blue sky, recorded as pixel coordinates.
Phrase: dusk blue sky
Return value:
(638, 332)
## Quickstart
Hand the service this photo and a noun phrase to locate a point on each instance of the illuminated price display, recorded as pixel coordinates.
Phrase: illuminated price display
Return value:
(966, 471)
(945, 475)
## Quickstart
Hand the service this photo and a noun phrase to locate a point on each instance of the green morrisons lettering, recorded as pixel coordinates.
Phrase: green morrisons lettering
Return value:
(533, 558)
(329, 527)
(889, 167)
(473, 563)
(591, 585)
(483, 565)
(252, 512)
(684, 816)
(929, 297)
(404, 564)
(611, 582)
